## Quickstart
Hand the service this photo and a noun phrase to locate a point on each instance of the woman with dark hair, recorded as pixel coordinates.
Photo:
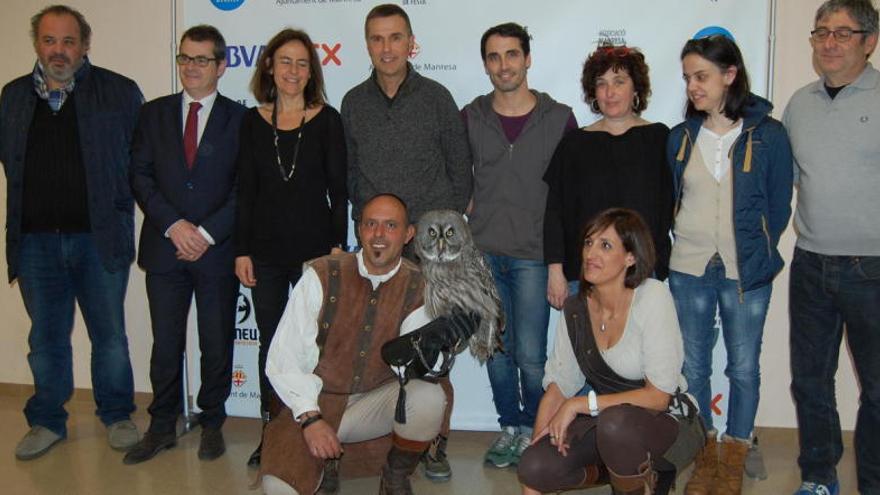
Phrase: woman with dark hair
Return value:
(618, 161)
(292, 197)
(732, 170)
(620, 336)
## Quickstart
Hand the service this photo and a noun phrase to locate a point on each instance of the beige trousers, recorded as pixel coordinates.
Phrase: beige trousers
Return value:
(371, 415)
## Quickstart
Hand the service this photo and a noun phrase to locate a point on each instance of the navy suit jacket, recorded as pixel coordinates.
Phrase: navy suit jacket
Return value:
(167, 190)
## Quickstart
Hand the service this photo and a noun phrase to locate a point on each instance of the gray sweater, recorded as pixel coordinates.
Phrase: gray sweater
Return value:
(837, 166)
(509, 193)
(413, 145)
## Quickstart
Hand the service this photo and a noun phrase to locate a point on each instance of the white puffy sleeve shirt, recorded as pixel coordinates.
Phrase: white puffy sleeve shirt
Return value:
(293, 354)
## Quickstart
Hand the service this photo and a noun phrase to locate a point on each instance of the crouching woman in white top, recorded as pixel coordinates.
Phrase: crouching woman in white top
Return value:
(618, 340)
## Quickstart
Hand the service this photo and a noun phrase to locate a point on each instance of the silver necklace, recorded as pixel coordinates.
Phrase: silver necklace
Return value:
(286, 176)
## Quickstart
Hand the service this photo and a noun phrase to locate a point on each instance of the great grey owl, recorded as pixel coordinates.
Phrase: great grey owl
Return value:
(458, 277)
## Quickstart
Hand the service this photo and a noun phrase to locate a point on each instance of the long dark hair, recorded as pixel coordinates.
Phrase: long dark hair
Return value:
(723, 52)
(263, 83)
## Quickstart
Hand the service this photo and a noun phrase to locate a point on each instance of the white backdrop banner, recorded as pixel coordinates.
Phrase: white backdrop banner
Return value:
(447, 36)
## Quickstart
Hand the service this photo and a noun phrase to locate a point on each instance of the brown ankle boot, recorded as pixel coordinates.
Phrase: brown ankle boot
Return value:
(403, 458)
(702, 480)
(641, 483)
(731, 464)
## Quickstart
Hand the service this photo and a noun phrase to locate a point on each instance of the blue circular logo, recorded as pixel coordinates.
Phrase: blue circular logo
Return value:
(712, 31)
(227, 4)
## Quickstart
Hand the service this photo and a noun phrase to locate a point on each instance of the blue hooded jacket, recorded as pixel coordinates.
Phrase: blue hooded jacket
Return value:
(762, 181)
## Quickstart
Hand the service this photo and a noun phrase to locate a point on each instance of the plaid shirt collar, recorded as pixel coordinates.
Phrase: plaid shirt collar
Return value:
(55, 97)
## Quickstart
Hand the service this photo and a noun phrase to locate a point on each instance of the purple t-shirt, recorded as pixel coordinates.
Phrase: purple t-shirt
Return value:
(514, 125)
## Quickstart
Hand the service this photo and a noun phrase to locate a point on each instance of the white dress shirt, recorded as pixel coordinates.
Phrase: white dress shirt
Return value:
(716, 149)
(293, 354)
(204, 112)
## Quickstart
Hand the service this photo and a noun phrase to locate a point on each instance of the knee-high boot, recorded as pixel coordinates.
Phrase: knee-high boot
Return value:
(402, 460)
(641, 483)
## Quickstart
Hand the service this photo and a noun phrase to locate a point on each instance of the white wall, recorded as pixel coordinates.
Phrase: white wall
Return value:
(134, 38)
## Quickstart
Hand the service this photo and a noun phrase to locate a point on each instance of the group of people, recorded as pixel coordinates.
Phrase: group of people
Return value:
(576, 219)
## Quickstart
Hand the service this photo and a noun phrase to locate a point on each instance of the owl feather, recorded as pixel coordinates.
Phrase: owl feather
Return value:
(458, 278)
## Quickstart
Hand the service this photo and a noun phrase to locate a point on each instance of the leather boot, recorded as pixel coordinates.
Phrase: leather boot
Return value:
(403, 458)
(702, 480)
(641, 483)
(330, 481)
(255, 458)
(731, 464)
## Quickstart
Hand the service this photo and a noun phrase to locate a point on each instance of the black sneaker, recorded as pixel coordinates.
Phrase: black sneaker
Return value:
(212, 445)
(149, 446)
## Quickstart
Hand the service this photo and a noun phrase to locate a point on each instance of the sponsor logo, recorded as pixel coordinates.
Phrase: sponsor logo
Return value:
(239, 377)
(227, 4)
(243, 308)
(247, 55)
(428, 66)
(611, 37)
(247, 335)
(713, 31)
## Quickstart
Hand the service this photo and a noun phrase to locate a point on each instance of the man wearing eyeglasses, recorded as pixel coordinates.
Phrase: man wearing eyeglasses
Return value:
(183, 177)
(65, 130)
(834, 125)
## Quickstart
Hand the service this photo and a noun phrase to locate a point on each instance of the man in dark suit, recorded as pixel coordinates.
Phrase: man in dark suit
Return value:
(183, 178)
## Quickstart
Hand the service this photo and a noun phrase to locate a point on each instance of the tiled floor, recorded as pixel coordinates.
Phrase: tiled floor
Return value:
(84, 464)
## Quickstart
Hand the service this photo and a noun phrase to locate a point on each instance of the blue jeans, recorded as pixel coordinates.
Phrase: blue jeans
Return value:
(56, 270)
(826, 293)
(742, 323)
(516, 374)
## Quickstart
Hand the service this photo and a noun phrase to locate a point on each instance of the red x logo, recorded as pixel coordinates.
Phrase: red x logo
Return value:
(715, 401)
(330, 53)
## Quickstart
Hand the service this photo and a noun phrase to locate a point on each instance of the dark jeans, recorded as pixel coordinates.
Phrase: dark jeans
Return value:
(621, 438)
(270, 298)
(170, 295)
(826, 293)
(56, 270)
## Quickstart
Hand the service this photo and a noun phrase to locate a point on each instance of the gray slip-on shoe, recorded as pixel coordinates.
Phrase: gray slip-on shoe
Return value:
(122, 435)
(36, 442)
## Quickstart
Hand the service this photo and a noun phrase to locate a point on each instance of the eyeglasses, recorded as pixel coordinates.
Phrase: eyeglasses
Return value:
(841, 35)
(199, 60)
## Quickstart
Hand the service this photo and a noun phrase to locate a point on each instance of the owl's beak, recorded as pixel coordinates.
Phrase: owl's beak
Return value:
(440, 243)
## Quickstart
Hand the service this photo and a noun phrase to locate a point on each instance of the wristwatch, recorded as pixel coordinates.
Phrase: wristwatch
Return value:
(306, 415)
(593, 403)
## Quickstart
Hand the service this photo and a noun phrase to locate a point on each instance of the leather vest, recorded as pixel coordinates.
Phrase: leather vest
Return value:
(356, 320)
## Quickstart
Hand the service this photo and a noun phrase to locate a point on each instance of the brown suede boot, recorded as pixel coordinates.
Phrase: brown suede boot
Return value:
(702, 480)
(641, 483)
(403, 458)
(731, 464)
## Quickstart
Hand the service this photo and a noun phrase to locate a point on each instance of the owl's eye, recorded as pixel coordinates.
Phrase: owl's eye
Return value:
(432, 232)
(450, 232)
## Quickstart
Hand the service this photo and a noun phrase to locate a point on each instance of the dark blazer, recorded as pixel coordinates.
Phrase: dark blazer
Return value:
(107, 106)
(167, 190)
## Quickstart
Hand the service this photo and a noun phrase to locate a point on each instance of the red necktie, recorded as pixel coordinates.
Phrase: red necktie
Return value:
(190, 134)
